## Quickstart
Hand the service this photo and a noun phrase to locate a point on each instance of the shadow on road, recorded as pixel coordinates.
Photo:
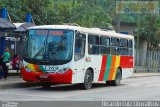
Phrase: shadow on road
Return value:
(72, 87)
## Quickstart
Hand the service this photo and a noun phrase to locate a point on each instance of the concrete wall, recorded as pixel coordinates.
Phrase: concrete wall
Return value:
(128, 29)
(141, 53)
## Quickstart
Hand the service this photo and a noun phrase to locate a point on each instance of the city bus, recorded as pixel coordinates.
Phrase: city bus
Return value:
(67, 54)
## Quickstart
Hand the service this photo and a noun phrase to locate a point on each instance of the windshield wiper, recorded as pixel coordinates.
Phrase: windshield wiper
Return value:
(38, 53)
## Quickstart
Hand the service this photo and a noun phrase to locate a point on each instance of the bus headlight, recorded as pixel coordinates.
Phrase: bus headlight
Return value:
(63, 70)
(28, 69)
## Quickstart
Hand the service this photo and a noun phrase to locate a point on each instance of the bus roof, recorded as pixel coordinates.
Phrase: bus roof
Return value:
(94, 31)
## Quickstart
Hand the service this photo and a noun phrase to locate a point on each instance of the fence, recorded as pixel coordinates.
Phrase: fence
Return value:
(147, 60)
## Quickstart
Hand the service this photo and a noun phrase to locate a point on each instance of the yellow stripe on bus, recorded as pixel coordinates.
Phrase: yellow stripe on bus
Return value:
(116, 66)
(31, 66)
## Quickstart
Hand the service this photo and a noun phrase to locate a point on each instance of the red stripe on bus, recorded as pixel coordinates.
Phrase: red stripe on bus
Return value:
(130, 61)
(126, 62)
(103, 68)
(123, 62)
(36, 67)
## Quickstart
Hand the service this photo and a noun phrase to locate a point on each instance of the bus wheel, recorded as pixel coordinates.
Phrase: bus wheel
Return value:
(118, 78)
(46, 85)
(88, 80)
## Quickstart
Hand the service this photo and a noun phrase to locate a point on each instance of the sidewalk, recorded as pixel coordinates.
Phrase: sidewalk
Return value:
(144, 74)
(17, 82)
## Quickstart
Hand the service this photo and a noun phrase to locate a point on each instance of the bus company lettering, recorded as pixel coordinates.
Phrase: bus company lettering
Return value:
(88, 59)
(50, 68)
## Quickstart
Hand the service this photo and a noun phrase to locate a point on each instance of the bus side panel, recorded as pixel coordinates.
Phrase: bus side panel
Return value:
(78, 68)
(126, 61)
(127, 72)
(127, 64)
(113, 68)
(109, 64)
(108, 67)
(94, 63)
(74, 76)
(103, 68)
(117, 64)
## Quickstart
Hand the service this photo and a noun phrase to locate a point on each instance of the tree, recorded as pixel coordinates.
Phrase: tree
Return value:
(89, 13)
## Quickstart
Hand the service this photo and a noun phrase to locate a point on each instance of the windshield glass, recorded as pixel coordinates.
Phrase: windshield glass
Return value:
(49, 45)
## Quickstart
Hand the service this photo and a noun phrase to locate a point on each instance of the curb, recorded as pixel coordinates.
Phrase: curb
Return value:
(143, 76)
(13, 74)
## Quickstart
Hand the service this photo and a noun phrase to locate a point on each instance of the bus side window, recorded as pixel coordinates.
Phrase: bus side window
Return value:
(123, 47)
(93, 44)
(114, 46)
(79, 51)
(104, 45)
(130, 47)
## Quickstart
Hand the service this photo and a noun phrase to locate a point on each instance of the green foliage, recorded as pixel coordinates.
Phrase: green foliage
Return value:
(89, 13)
(149, 29)
(128, 18)
(157, 31)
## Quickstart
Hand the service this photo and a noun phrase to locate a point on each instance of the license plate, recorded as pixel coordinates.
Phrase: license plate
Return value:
(43, 76)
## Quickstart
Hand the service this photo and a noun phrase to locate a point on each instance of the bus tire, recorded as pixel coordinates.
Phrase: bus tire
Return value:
(118, 78)
(46, 85)
(88, 80)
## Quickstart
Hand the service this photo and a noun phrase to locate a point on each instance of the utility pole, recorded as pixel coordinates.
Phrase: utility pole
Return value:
(118, 22)
(138, 27)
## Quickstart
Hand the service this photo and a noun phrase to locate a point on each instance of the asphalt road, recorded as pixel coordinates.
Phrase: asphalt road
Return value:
(132, 89)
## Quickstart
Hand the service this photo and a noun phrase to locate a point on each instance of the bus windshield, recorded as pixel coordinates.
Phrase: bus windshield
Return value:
(49, 44)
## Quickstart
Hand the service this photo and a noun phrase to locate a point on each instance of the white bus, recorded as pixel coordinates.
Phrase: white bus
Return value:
(73, 54)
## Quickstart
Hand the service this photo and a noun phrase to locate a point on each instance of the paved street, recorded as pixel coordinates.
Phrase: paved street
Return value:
(142, 88)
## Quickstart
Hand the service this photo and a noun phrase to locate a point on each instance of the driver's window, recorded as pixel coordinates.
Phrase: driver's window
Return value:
(79, 51)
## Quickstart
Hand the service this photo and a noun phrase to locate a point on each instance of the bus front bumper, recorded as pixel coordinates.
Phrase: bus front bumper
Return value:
(49, 77)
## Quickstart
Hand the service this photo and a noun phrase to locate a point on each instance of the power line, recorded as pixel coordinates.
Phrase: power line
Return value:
(16, 17)
(38, 20)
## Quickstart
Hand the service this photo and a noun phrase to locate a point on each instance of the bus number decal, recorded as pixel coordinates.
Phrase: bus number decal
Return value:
(50, 68)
